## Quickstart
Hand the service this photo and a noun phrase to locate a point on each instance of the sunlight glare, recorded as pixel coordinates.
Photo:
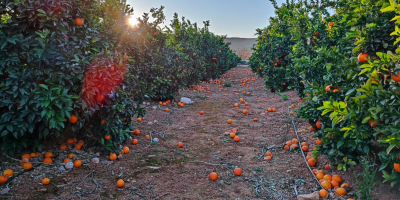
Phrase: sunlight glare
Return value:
(133, 21)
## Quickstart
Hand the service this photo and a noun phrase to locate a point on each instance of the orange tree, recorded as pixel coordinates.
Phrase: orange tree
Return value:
(347, 63)
(80, 65)
(207, 54)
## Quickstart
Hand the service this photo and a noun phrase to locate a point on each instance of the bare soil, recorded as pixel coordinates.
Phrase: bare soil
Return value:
(163, 171)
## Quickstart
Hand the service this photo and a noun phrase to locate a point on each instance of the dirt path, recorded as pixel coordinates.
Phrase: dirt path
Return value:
(162, 171)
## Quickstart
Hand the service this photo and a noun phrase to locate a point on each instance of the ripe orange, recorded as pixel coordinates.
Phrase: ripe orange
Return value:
(237, 171)
(337, 178)
(125, 150)
(113, 157)
(304, 144)
(321, 171)
(315, 171)
(201, 112)
(77, 163)
(8, 172)
(289, 143)
(269, 109)
(136, 132)
(78, 146)
(147, 136)
(229, 121)
(396, 167)
(320, 176)
(328, 177)
(334, 183)
(326, 184)
(396, 78)
(246, 104)
(268, 153)
(286, 147)
(45, 181)
(27, 156)
(27, 165)
(107, 137)
(295, 141)
(312, 129)
(318, 141)
(63, 146)
(328, 88)
(236, 105)
(67, 160)
(323, 193)
(255, 119)
(236, 138)
(120, 183)
(244, 111)
(48, 155)
(372, 125)
(3, 179)
(135, 141)
(330, 24)
(166, 110)
(312, 162)
(232, 135)
(139, 119)
(318, 124)
(180, 144)
(213, 176)
(341, 191)
(32, 155)
(293, 146)
(345, 185)
(273, 110)
(48, 161)
(100, 98)
(362, 57)
(78, 21)
(70, 141)
(73, 119)
(328, 167)
(304, 148)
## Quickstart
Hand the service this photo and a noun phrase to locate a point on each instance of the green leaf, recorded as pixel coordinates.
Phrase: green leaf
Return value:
(44, 86)
(328, 66)
(41, 11)
(390, 148)
(388, 9)
(366, 119)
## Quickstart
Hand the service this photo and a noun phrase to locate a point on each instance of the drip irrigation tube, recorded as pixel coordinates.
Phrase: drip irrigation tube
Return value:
(302, 152)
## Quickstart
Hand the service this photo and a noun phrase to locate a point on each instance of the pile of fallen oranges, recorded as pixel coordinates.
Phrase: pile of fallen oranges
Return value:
(294, 144)
(330, 182)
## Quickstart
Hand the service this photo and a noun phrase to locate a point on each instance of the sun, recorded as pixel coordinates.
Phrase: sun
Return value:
(133, 21)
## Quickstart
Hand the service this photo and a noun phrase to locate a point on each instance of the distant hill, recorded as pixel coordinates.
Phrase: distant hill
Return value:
(241, 43)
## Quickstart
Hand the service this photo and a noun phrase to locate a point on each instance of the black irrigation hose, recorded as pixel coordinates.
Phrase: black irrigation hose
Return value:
(302, 152)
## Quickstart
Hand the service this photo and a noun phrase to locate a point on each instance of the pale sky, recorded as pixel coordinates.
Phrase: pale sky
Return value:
(234, 18)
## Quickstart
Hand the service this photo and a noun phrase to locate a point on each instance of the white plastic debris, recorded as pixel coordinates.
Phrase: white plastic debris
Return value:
(156, 140)
(69, 165)
(186, 100)
(95, 160)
